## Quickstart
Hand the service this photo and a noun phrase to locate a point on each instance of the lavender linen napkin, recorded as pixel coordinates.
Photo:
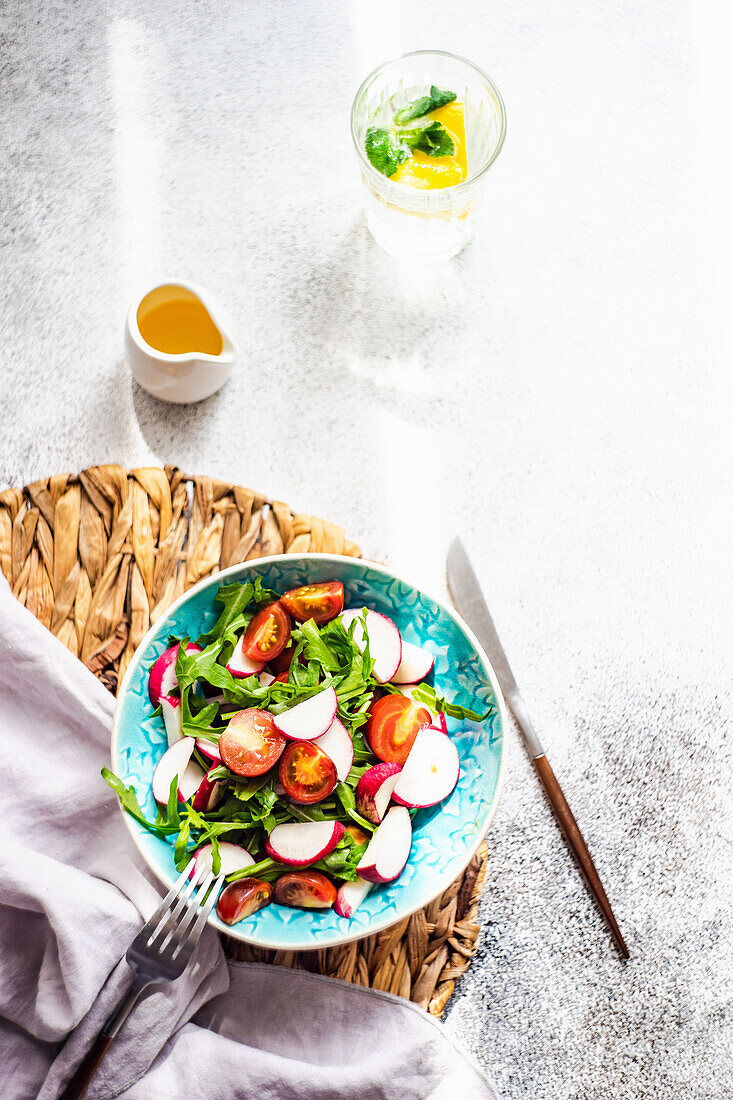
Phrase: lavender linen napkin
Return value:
(73, 893)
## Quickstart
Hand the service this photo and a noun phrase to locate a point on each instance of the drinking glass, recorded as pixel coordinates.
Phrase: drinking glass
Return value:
(427, 225)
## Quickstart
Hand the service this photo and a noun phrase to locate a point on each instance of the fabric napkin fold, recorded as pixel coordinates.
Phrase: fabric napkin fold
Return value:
(73, 893)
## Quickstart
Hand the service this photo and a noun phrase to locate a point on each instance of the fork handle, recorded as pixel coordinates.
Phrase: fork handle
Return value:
(93, 1058)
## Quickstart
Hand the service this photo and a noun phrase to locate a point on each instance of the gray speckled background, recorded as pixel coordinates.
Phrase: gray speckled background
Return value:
(555, 393)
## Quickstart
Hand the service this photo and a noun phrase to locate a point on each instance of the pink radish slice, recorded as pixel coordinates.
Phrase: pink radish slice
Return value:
(430, 772)
(171, 707)
(414, 666)
(163, 678)
(209, 749)
(240, 664)
(266, 678)
(310, 719)
(385, 643)
(233, 858)
(374, 790)
(191, 780)
(389, 848)
(440, 723)
(350, 896)
(303, 842)
(337, 744)
(209, 793)
(173, 762)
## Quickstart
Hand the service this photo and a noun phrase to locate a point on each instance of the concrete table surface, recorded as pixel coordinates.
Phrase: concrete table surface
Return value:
(554, 394)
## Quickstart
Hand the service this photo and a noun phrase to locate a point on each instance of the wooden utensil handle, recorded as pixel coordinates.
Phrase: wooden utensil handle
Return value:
(93, 1058)
(578, 847)
(87, 1067)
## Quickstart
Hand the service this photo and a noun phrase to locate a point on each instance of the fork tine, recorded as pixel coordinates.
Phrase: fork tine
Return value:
(189, 901)
(170, 917)
(164, 906)
(180, 932)
(193, 934)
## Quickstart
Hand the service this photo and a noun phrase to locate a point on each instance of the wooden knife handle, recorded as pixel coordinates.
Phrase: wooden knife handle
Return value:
(87, 1068)
(577, 845)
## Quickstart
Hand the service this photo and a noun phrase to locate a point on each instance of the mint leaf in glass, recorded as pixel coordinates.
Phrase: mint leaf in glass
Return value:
(385, 152)
(431, 138)
(438, 97)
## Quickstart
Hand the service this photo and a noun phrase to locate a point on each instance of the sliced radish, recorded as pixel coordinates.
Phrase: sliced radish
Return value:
(210, 792)
(174, 761)
(163, 679)
(389, 848)
(337, 744)
(440, 723)
(415, 664)
(240, 665)
(310, 719)
(350, 896)
(172, 716)
(209, 749)
(190, 782)
(233, 858)
(430, 772)
(385, 643)
(266, 678)
(374, 790)
(303, 842)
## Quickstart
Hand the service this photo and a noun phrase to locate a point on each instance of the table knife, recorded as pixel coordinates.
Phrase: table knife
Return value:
(469, 599)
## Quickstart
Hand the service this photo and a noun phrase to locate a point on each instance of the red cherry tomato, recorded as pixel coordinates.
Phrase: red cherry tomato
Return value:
(306, 772)
(283, 661)
(282, 677)
(393, 725)
(250, 745)
(267, 634)
(320, 602)
(304, 890)
(242, 898)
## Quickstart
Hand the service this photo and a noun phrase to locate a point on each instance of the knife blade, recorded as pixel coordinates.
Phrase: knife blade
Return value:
(468, 597)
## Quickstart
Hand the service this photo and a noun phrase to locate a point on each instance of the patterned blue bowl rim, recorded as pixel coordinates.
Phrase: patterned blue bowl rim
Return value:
(139, 834)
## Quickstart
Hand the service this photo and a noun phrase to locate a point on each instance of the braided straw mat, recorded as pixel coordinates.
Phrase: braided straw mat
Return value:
(99, 556)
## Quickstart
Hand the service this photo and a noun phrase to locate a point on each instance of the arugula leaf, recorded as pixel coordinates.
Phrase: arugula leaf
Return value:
(384, 150)
(346, 797)
(424, 105)
(425, 693)
(174, 818)
(129, 803)
(180, 851)
(215, 856)
(236, 598)
(431, 138)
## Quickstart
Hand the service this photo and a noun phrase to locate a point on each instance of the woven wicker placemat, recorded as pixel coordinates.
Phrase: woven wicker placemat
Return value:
(98, 556)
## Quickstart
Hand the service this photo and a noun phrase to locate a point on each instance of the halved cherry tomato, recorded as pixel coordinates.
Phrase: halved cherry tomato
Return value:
(320, 602)
(250, 744)
(304, 890)
(267, 634)
(242, 898)
(283, 661)
(307, 773)
(282, 677)
(394, 722)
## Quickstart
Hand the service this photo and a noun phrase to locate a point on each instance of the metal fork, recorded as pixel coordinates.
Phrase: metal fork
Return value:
(160, 952)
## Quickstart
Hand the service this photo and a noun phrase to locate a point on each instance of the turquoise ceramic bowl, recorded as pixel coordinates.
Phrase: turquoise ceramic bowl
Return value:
(445, 836)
